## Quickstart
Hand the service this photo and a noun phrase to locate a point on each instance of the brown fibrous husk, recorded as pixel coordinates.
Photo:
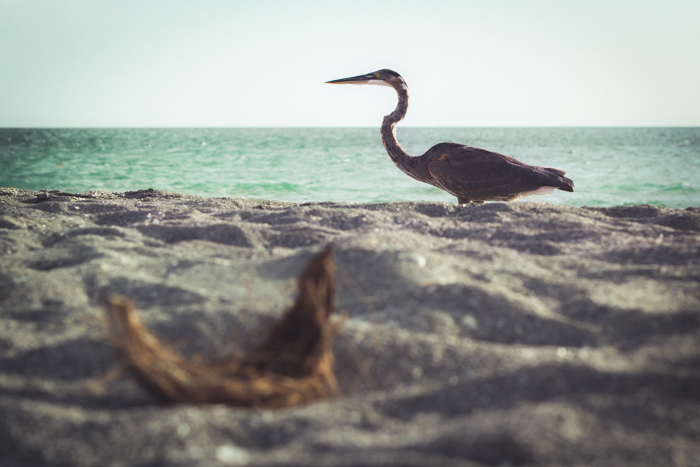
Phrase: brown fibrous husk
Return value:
(292, 366)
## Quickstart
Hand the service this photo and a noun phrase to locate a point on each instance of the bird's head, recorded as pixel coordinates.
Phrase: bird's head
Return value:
(380, 78)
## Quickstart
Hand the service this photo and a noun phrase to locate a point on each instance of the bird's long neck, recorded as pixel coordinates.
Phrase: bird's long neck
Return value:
(401, 158)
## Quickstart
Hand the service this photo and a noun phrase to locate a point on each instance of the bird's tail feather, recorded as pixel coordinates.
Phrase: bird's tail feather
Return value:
(556, 178)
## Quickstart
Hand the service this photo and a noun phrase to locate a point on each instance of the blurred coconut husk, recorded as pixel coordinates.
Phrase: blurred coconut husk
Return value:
(292, 366)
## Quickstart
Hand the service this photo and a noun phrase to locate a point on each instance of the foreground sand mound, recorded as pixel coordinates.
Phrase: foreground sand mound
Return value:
(508, 334)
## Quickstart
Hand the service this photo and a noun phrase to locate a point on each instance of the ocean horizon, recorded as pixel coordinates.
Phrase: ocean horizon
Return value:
(609, 165)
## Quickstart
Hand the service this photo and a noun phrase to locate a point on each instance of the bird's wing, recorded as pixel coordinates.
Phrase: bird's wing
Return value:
(477, 173)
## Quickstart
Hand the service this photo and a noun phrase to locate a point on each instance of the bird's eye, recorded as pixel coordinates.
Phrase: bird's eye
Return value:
(377, 75)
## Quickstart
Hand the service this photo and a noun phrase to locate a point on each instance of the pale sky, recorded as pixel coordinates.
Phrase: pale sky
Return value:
(263, 63)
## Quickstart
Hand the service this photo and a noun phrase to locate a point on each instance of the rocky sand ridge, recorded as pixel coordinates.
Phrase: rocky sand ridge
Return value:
(496, 334)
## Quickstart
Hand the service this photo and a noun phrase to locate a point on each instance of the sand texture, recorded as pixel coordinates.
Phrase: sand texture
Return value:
(497, 334)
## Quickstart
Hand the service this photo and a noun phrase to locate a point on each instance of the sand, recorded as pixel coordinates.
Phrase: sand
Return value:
(497, 334)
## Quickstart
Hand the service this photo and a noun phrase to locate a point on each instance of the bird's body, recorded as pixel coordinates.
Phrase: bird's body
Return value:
(470, 174)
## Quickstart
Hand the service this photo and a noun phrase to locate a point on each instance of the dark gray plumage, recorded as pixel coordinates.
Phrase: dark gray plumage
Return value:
(470, 174)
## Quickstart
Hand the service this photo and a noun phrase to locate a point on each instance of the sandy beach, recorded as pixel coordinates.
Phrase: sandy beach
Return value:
(496, 334)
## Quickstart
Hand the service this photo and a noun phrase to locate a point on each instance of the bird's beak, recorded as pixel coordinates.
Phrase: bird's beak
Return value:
(361, 79)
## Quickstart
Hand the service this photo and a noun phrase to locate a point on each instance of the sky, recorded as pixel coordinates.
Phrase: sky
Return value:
(263, 63)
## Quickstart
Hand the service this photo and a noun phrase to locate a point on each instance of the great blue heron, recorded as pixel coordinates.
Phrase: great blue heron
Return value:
(471, 174)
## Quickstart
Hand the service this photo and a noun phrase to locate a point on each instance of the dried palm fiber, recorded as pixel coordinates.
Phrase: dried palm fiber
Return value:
(292, 366)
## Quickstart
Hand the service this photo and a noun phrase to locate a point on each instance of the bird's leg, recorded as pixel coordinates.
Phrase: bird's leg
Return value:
(461, 200)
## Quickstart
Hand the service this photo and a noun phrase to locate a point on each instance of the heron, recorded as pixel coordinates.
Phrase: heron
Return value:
(471, 174)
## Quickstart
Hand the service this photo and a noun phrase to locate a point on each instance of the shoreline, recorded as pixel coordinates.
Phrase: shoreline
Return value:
(520, 333)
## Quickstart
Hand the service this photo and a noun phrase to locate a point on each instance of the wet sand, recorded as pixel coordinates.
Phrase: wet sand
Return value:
(498, 334)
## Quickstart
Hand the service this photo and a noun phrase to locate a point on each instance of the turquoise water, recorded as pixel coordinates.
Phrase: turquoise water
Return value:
(610, 166)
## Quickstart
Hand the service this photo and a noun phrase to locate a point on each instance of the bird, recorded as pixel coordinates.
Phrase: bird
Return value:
(471, 174)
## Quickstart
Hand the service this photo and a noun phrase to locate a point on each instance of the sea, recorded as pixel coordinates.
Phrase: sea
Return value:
(609, 166)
